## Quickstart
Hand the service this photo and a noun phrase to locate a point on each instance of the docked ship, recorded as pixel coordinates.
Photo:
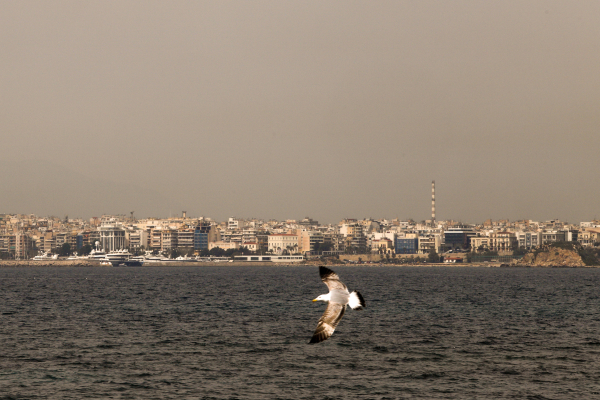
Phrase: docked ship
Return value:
(45, 257)
(117, 257)
(134, 262)
(97, 255)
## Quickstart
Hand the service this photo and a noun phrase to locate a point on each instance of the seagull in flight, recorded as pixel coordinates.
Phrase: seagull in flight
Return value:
(337, 299)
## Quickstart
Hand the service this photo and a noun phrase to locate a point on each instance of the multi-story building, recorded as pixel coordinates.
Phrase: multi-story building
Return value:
(204, 234)
(234, 223)
(495, 241)
(503, 241)
(458, 237)
(354, 236)
(112, 237)
(552, 236)
(19, 244)
(169, 239)
(62, 238)
(528, 240)
(84, 238)
(4, 243)
(137, 238)
(430, 242)
(408, 244)
(307, 240)
(185, 238)
(283, 241)
(383, 245)
(45, 241)
(586, 238)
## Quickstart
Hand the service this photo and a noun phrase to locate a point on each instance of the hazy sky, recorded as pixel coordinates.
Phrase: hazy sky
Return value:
(287, 109)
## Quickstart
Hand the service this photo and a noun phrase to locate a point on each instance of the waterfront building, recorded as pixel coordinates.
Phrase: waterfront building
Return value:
(4, 243)
(20, 243)
(85, 237)
(308, 240)
(354, 236)
(495, 241)
(45, 241)
(185, 238)
(277, 243)
(17, 245)
(407, 245)
(553, 236)
(137, 238)
(383, 245)
(458, 237)
(112, 237)
(586, 238)
(204, 233)
(430, 242)
(528, 240)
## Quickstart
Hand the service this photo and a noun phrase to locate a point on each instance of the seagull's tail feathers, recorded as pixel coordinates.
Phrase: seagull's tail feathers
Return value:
(356, 301)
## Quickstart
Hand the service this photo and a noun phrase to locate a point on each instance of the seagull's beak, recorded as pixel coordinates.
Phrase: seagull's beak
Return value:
(315, 300)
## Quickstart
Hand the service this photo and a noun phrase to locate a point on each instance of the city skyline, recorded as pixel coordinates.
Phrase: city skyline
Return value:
(277, 110)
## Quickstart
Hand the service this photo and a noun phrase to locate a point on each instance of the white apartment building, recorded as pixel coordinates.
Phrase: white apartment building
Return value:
(112, 237)
(529, 240)
(234, 224)
(283, 241)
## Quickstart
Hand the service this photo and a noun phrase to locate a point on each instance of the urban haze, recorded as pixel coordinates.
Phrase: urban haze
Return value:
(268, 109)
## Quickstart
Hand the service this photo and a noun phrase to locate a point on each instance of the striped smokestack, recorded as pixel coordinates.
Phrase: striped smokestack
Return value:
(433, 203)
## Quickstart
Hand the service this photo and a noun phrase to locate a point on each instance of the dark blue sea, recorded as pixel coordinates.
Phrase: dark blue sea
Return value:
(242, 333)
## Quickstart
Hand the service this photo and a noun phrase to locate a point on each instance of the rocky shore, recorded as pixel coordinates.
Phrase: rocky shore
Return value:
(549, 256)
(49, 263)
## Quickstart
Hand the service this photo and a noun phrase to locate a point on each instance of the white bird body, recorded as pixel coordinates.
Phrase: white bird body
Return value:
(337, 299)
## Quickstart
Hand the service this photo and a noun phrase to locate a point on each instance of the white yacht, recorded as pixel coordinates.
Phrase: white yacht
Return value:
(45, 257)
(148, 257)
(118, 256)
(75, 257)
(97, 255)
(185, 259)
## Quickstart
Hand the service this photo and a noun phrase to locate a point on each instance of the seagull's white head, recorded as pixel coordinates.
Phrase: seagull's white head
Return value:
(323, 297)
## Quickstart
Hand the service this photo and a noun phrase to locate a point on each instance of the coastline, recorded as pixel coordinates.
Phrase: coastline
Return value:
(96, 264)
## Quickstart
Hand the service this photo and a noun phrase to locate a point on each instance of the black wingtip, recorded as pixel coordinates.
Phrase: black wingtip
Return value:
(317, 339)
(324, 270)
(360, 299)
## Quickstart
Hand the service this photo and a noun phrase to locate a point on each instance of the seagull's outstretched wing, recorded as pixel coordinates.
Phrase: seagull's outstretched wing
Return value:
(329, 320)
(331, 279)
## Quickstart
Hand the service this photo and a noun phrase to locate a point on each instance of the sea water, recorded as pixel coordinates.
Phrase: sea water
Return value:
(242, 333)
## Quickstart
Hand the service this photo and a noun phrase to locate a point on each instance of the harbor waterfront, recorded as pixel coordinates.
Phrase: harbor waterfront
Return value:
(96, 264)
